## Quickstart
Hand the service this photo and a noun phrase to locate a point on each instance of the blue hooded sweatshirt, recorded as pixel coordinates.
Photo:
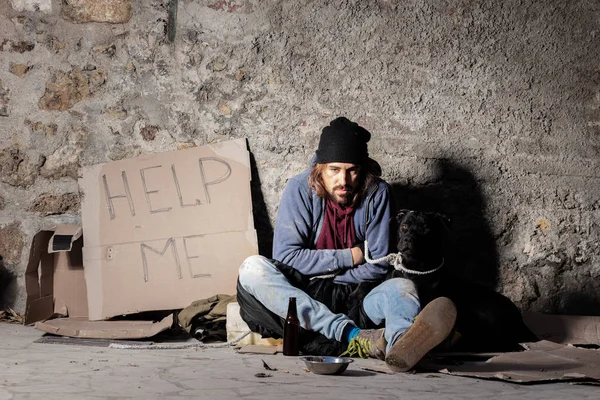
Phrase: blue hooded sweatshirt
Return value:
(299, 222)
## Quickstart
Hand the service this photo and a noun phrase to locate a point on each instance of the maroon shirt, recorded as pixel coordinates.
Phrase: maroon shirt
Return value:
(338, 227)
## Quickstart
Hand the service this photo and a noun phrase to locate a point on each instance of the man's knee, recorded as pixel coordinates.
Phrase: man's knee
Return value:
(399, 286)
(254, 269)
(405, 286)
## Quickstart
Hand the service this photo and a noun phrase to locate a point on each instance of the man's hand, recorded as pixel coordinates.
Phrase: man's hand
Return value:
(357, 256)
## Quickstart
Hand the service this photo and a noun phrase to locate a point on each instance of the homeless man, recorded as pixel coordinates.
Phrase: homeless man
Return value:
(325, 216)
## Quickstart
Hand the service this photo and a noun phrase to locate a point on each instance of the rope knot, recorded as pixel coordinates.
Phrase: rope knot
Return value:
(395, 259)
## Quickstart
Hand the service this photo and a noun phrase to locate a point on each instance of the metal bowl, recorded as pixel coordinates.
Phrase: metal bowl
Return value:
(324, 365)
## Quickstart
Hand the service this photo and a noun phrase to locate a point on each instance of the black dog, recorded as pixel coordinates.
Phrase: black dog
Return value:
(486, 320)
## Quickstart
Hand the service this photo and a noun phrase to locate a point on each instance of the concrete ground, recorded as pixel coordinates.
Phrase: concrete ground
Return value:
(53, 371)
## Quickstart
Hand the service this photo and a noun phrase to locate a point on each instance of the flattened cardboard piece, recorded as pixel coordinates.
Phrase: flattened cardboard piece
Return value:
(82, 328)
(566, 329)
(164, 230)
(54, 278)
(543, 362)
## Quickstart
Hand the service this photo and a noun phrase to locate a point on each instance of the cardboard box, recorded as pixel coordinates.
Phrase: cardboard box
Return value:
(164, 230)
(55, 286)
(54, 278)
(191, 205)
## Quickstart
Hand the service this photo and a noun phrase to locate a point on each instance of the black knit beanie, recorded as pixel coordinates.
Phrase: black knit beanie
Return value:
(343, 141)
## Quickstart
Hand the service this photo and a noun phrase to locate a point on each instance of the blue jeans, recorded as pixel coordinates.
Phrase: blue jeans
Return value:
(394, 301)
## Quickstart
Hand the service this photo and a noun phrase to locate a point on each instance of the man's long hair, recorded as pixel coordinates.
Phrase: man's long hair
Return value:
(370, 171)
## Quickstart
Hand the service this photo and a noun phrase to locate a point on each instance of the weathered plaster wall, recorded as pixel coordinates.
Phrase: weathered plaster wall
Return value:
(486, 111)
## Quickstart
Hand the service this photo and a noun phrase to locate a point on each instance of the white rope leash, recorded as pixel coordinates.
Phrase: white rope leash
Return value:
(177, 346)
(395, 259)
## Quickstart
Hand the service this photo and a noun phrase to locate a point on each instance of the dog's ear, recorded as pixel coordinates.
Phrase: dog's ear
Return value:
(444, 221)
(401, 214)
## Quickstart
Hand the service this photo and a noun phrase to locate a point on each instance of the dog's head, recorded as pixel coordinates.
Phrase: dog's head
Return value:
(421, 238)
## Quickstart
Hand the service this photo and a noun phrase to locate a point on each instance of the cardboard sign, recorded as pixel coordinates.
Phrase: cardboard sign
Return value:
(164, 230)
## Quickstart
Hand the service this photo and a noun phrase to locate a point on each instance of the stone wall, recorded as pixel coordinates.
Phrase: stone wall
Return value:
(485, 111)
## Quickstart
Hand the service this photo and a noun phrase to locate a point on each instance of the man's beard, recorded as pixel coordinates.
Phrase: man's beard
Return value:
(344, 199)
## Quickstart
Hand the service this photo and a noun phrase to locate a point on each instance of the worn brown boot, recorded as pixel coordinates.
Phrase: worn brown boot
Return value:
(433, 324)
